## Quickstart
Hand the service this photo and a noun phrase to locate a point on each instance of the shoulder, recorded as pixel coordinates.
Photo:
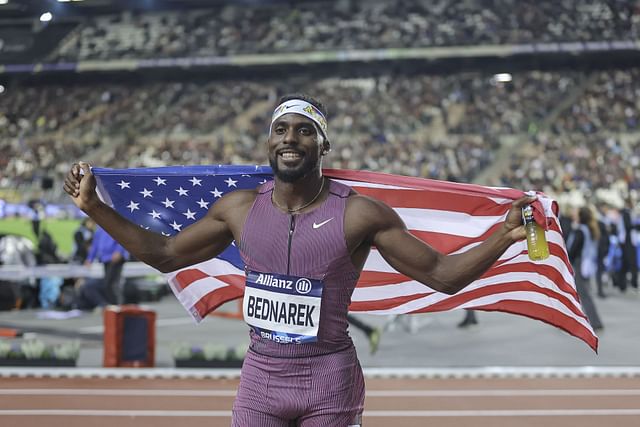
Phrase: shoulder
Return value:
(368, 211)
(233, 203)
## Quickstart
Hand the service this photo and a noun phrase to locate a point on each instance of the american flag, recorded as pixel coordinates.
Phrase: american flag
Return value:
(451, 217)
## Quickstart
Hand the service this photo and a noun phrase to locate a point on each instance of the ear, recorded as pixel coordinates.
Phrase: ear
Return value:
(326, 147)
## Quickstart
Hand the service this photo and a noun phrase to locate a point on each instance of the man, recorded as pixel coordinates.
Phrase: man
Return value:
(626, 233)
(304, 240)
(82, 238)
(112, 256)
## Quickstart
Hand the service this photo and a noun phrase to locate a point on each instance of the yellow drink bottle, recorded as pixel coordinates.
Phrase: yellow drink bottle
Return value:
(536, 241)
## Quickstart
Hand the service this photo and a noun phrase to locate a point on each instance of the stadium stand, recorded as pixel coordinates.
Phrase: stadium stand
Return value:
(356, 24)
(465, 125)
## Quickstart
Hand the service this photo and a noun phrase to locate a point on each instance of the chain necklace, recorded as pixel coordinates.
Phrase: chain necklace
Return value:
(291, 211)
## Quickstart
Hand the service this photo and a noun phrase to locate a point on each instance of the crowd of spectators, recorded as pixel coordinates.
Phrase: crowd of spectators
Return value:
(594, 144)
(610, 104)
(347, 24)
(577, 161)
(444, 127)
(435, 126)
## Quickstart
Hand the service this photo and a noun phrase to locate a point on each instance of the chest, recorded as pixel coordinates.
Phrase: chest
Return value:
(305, 244)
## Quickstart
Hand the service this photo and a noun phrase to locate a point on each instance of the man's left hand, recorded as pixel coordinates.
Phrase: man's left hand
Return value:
(513, 223)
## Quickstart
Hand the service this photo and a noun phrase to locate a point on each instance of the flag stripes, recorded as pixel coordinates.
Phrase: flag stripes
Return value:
(450, 217)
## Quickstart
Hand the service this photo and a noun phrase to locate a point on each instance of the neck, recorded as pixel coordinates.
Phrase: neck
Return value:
(295, 196)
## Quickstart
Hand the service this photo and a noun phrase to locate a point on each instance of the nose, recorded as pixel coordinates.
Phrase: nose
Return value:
(290, 136)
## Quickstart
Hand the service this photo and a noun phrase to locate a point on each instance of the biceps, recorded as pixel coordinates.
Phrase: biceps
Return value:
(200, 242)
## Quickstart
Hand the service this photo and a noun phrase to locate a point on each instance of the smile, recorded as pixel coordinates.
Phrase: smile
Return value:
(290, 155)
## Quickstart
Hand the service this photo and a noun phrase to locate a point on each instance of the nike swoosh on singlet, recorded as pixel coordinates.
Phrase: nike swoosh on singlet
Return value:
(321, 223)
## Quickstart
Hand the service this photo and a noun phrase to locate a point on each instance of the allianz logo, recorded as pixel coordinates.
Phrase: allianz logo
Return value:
(302, 285)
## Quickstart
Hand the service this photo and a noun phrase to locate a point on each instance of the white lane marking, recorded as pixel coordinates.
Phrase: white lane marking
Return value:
(503, 392)
(115, 392)
(411, 414)
(491, 372)
(370, 393)
(506, 413)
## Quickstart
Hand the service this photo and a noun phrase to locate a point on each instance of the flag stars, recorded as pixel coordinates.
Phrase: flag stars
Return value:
(216, 192)
(133, 206)
(195, 181)
(154, 214)
(123, 184)
(146, 193)
(189, 214)
(168, 203)
(165, 234)
(203, 204)
(182, 192)
(159, 181)
(175, 225)
(230, 182)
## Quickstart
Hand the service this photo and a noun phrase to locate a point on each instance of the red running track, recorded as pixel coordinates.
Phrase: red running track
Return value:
(477, 402)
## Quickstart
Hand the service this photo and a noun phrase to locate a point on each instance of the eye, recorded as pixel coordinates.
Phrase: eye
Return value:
(306, 131)
(279, 130)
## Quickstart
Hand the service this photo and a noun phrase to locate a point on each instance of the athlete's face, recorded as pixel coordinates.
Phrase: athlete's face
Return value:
(295, 147)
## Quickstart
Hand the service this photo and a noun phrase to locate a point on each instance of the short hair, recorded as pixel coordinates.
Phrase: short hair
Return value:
(304, 97)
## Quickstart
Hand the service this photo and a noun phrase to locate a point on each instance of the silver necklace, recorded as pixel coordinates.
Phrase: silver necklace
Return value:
(300, 207)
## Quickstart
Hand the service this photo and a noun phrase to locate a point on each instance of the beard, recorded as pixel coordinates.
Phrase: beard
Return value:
(290, 175)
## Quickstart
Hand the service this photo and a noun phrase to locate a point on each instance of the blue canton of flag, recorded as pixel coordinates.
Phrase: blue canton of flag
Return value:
(166, 200)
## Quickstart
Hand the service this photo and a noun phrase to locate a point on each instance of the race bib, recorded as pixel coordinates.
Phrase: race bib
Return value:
(283, 308)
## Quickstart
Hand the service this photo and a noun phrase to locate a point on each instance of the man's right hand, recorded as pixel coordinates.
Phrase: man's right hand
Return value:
(80, 184)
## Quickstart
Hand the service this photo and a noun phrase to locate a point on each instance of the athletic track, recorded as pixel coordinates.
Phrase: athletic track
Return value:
(81, 400)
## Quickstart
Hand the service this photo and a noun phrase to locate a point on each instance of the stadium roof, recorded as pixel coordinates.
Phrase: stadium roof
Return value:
(69, 8)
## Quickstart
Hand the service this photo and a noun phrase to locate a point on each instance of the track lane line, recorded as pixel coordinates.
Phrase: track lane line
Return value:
(374, 413)
(369, 393)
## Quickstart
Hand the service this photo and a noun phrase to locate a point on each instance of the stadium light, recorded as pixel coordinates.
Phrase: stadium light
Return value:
(46, 17)
(2, 87)
(502, 77)
(4, 2)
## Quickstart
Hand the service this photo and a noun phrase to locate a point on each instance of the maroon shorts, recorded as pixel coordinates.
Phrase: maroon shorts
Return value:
(325, 390)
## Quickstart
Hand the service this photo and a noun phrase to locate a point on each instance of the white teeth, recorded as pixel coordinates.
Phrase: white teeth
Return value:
(289, 155)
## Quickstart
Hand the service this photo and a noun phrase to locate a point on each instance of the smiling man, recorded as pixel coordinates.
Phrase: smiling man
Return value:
(304, 240)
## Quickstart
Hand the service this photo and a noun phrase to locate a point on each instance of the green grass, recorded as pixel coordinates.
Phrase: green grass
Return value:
(60, 229)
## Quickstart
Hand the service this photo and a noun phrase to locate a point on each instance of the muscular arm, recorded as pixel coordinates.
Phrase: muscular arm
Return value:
(198, 242)
(416, 259)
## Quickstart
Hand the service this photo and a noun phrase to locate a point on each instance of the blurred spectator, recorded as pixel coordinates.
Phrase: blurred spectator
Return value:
(108, 290)
(583, 252)
(627, 228)
(603, 249)
(82, 238)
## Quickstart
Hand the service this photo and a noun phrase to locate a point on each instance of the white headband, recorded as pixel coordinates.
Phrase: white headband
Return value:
(298, 106)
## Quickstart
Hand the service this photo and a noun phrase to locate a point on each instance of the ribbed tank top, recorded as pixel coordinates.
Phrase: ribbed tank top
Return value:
(318, 250)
